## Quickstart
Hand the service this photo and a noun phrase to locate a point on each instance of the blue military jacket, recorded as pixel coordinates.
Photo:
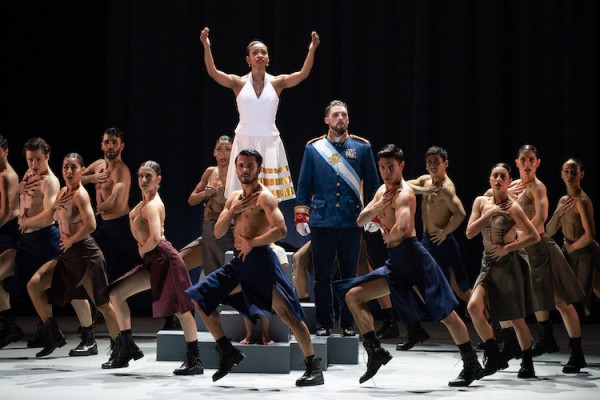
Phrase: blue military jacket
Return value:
(332, 202)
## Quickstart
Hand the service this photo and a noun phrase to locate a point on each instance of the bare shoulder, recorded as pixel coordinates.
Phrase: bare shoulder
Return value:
(234, 195)
(121, 168)
(96, 166)
(448, 187)
(81, 196)
(267, 198)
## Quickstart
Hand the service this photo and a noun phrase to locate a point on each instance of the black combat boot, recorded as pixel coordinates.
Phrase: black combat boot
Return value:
(124, 351)
(492, 359)
(228, 357)
(471, 370)
(313, 375)
(378, 356)
(38, 339)
(510, 344)
(414, 334)
(576, 359)
(388, 330)
(527, 370)
(10, 332)
(53, 338)
(87, 346)
(192, 364)
(546, 342)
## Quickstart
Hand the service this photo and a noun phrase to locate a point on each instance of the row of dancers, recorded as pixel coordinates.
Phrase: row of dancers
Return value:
(62, 279)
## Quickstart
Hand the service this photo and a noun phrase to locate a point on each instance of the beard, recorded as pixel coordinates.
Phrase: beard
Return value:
(247, 180)
(111, 155)
(340, 130)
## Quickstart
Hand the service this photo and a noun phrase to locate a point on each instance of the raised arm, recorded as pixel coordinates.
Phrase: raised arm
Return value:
(286, 81)
(230, 81)
(419, 186)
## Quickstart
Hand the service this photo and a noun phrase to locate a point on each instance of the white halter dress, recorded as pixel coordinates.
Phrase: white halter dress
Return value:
(256, 130)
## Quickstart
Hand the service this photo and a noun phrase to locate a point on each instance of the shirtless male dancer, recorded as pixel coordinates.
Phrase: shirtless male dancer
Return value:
(442, 212)
(264, 286)
(409, 265)
(112, 181)
(9, 235)
(35, 193)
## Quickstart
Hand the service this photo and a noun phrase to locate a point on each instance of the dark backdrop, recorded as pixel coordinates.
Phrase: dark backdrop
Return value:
(480, 78)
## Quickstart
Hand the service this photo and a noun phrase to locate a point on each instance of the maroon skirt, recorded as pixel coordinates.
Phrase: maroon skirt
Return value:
(81, 259)
(168, 280)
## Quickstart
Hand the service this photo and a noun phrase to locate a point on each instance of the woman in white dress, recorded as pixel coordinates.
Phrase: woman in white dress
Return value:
(257, 96)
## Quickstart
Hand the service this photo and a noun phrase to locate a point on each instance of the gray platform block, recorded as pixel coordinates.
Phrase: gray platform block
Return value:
(311, 318)
(170, 346)
(342, 349)
(274, 358)
(297, 358)
(233, 325)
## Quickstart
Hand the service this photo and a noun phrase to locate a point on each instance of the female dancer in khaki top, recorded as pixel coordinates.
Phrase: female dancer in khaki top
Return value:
(504, 282)
(163, 271)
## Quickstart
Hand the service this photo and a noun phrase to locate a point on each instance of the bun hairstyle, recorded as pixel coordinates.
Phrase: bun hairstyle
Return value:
(77, 158)
(225, 138)
(252, 43)
(153, 165)
(529, 147)
(502, 165)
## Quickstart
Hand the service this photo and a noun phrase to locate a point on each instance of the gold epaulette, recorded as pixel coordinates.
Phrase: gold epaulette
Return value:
(315, 139)
(362, 139)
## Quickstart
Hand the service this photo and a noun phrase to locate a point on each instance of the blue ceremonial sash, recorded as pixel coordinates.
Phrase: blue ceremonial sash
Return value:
(339, 165)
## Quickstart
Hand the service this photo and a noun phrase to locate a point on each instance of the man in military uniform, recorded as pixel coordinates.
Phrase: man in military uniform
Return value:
(329, 200)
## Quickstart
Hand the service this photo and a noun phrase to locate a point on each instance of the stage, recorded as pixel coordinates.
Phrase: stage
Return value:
(421, 373)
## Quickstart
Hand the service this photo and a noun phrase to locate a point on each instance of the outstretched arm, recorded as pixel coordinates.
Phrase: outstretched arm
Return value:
(230, 81)
(290, 80)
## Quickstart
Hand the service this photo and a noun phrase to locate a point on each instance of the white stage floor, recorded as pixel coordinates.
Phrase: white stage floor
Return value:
(421, 373)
